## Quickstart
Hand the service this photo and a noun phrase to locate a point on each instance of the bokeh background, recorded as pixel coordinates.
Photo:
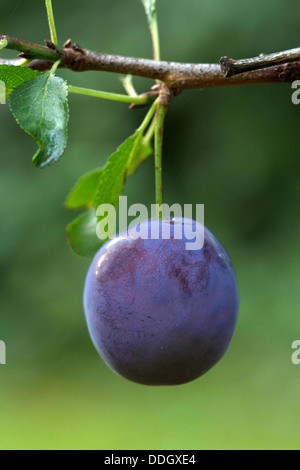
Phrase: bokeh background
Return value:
(234, 149)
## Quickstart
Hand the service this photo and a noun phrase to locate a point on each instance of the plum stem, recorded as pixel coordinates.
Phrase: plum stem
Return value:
(159, 131)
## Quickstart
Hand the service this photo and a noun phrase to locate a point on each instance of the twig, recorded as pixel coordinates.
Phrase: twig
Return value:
(232, 67)
(177, 76)
(30, 51)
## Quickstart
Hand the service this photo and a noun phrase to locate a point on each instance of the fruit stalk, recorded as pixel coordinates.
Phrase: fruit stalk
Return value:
(159, 131)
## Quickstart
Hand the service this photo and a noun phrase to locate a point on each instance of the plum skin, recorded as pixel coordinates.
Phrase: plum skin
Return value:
(157, 313)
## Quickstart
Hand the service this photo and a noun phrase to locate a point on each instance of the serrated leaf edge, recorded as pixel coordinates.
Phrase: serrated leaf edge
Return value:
(50, 160)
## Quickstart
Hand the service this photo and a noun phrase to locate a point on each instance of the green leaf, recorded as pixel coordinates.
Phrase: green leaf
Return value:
(3, 43)
(41, 108)
(105, 185)
(150, 8)
(82, 235)
(14, 76)
(143, 152)
(102, 186)
(113, 176)
(83, 193)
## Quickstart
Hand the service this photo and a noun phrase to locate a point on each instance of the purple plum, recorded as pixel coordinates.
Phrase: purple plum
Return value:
(157, 312)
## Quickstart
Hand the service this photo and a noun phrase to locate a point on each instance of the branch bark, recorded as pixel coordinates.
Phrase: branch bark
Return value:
(232, 67)
(177, 76)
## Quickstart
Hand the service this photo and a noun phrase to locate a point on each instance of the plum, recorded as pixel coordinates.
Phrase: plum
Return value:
(158, 313)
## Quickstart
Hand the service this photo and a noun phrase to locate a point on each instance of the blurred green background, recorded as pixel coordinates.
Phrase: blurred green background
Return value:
(234, 149)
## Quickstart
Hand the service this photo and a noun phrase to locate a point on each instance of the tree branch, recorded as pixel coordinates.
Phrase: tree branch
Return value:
(30, 50)
(177, 76)
(232, 67)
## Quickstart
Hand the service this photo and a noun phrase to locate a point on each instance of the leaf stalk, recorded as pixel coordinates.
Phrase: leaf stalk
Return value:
(139, 100)
(51, 22)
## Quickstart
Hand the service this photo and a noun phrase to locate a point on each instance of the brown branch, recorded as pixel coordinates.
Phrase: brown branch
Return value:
(232, 67)
(177, 76)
